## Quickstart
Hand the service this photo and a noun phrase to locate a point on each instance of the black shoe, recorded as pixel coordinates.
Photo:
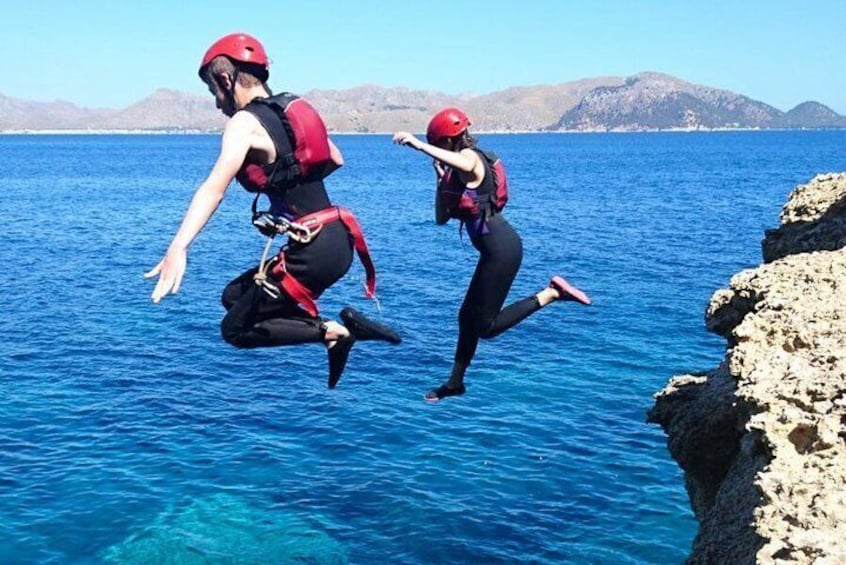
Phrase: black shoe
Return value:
(338, 355)
(365, 329)
(442, 392)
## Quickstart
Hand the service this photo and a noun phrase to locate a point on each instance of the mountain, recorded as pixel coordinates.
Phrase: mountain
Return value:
(377, 109)
(643, 102)
(168, 110)
(163, 110)
(812, 115)
(18, 114)
(372, 108)
(652, 101)
(530, 108)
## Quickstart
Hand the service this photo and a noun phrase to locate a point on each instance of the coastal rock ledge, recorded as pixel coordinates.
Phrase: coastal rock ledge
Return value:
(762, 438)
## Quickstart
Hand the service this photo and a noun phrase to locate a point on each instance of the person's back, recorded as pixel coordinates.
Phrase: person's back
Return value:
(275, 146)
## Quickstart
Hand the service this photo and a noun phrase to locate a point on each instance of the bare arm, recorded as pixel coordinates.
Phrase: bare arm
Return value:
(466, 160)
(234, 147)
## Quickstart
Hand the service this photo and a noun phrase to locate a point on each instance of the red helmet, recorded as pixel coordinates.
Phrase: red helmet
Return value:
(240, 48)
(449, 122)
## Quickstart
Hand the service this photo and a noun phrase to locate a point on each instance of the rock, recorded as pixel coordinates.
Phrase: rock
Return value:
(762, 439)
(813, 219)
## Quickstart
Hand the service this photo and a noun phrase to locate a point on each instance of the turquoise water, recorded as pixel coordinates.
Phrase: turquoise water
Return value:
(132, 433)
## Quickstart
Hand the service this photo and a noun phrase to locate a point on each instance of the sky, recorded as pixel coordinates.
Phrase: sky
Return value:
(112, 54)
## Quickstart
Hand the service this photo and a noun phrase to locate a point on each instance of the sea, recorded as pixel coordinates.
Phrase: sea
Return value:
(130, 432)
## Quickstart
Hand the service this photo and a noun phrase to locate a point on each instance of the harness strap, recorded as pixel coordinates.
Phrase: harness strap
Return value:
(346, 217)
(314, 222)
(294, 288)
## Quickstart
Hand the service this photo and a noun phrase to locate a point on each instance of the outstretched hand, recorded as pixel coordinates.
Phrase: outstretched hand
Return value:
(407, 139)
(170, 271)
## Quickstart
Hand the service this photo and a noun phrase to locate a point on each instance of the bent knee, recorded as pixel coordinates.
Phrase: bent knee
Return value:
(232, 336)
(486, 331)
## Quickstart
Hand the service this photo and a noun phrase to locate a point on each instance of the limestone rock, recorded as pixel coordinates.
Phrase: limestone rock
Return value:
(813, 219)
(762, 439)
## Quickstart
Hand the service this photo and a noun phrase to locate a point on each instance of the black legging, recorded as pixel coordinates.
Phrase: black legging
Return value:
(254, 319)
(501, 252)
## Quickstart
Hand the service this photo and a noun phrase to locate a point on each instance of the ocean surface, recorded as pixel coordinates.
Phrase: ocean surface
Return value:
(131, 433)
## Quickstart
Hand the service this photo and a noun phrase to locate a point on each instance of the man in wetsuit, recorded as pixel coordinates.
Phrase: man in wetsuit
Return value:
(277, 146)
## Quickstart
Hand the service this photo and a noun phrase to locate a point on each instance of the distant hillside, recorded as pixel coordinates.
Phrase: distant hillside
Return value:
(376, 109)
(163, 110)
(811, 115)
(530, 108)
(651, 101)
(372, 108)
(168, 109)
(643, 102)
(18, 114)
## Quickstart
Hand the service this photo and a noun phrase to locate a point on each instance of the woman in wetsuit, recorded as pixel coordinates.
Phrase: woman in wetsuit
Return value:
(466, 189)
(275, 145)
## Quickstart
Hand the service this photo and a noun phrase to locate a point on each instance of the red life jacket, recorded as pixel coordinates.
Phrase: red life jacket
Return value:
(301, 141)
(471, 203)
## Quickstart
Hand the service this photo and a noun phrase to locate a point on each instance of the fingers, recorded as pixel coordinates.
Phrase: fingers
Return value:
(403, 138)
(166, 285)
(177, 283)
(170, 280)
(162, 288)
(154, 271)
(170, 270)
(161, 284)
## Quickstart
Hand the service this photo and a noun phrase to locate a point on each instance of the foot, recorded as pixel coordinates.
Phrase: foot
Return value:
(566, 291)
(444, 391)
(338, 355)
(365, 329)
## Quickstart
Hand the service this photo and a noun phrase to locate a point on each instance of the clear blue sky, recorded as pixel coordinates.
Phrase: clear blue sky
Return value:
(105, 54)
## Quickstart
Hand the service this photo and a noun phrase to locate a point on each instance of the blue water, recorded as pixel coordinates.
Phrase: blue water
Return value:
(132, 433)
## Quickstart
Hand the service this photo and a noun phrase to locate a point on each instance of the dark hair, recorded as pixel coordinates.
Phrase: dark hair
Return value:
(247, 74)
(466, 141)
(463, 141)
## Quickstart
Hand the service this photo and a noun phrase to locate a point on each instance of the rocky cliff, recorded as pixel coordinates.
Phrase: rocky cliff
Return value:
(762, 438)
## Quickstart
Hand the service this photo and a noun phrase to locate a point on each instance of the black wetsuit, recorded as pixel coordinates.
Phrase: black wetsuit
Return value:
(253, 318)
(501, 252)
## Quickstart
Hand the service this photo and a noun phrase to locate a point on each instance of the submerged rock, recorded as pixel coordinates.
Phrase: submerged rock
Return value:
(762, 439)
(226, 529)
